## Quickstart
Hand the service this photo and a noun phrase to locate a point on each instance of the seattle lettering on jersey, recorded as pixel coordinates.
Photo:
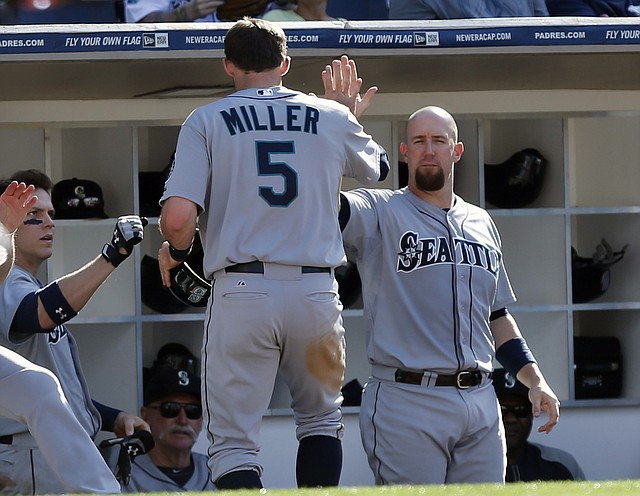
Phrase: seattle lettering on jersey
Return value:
(416, 253)
(271, 118)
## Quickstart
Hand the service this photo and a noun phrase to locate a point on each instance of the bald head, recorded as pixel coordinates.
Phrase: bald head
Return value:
(432, 111)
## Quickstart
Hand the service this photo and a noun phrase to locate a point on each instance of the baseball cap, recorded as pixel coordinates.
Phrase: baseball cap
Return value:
(78, 199)
(504, 383)
(166, 382)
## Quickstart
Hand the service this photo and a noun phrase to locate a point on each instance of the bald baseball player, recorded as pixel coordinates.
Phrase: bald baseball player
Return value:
(436, 297)
(32, 324)
(261, 171)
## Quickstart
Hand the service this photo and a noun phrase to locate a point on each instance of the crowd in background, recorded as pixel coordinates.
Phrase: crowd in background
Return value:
(114, 11)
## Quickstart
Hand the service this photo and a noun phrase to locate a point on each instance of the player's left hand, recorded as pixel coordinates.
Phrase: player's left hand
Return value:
(166, 262)
(128, 232)
(126, 424)
(544, 400)
(15, 203)
(342, 84)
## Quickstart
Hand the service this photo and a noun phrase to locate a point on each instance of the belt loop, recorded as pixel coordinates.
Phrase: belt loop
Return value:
(429, 379)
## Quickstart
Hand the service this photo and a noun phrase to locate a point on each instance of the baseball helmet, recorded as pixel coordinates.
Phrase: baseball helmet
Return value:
(154, 294)
(78, 199)
(517, 181)
(188, 287)
(590, 276)
(349, 283)
(176, 356)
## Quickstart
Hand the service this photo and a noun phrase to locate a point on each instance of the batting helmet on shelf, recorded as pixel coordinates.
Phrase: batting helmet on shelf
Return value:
(590, 277)
(517, 181)
(349, 283)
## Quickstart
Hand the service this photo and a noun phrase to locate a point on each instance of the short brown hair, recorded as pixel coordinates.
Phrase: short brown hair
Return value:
(29, 176)
(255, 45)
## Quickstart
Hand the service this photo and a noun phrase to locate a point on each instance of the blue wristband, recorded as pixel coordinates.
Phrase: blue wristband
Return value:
(514, 354)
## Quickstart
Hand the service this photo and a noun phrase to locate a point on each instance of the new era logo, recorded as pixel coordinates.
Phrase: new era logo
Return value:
(428, 38)
(155, 40)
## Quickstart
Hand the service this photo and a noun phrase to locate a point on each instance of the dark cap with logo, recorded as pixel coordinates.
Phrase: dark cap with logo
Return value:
(504, 383)
(166, 382)
(78, 199)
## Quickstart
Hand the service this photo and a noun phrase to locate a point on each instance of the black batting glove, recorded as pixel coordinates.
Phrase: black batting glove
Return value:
(128, 232)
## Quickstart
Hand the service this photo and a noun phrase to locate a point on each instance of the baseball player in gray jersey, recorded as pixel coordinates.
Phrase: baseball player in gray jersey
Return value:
(32, 395)
(32, 318)
(435, 296)
(261, 169)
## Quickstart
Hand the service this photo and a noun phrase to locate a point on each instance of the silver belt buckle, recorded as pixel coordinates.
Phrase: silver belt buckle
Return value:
(459, 385)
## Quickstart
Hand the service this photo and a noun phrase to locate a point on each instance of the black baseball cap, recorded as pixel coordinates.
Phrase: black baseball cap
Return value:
(78, 199)
(504, 383)
(166, 382)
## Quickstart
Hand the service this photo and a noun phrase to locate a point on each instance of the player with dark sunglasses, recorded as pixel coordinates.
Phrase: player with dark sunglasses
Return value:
(171, 409)
(526, 460)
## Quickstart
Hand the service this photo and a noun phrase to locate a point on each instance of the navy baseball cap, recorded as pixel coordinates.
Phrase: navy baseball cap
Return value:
(78, 199)
(504, 383)
(166, 382)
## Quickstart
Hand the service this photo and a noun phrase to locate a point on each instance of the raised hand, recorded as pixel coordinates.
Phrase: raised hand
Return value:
(15, 203)
(342, 84)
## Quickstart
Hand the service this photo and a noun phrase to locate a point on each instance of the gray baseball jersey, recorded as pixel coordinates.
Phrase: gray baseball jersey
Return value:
(147, 477)
(262, 163)
(265, 167)
(55, 350)
(430, 280)
(67, 460)
(407, 247)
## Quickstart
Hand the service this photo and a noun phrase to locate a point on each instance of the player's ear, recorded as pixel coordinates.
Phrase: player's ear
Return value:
(458, 150)
(286, 65)
(229, 67)
(403, 150)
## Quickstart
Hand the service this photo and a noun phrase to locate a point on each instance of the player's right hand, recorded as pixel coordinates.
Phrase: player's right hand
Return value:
(342, 84)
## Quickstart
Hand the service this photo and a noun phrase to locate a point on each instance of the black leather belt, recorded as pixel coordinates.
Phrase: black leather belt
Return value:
(6, 439)
(462, 380)
(258, 268)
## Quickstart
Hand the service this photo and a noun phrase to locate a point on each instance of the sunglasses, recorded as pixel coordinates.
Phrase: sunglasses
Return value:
(518, 411)
(171, 409)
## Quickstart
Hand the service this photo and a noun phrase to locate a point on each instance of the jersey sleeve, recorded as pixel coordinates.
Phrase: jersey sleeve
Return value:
(366, 160)
(189, 176)
(13, 291)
